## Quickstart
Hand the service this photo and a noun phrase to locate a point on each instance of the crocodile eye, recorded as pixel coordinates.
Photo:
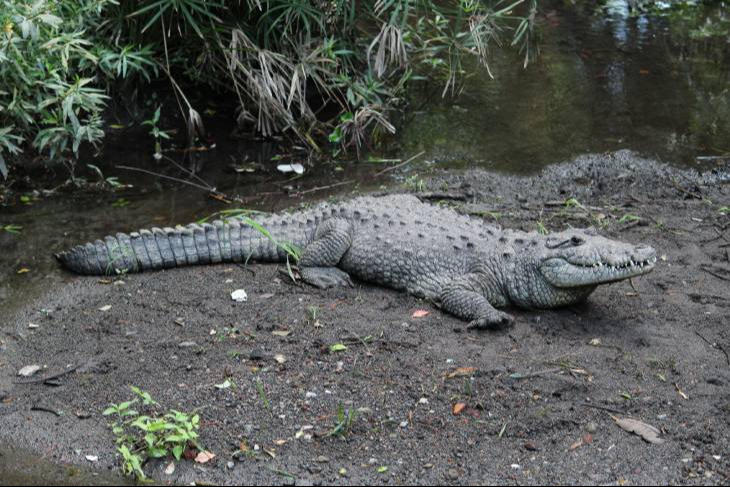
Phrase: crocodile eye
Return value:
(577, 241)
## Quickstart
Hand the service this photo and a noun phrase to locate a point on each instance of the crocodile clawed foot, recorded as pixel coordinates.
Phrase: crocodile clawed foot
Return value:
(495, 321)
(325, 277)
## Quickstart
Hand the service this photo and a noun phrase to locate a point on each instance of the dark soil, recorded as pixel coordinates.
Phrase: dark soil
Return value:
(656, 351)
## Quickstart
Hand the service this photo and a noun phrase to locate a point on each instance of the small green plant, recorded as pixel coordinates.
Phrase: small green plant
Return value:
(345, 420)
(104, 182)
(14, 229)
(541, 228)
(313, 315)
(157, 133)
(628, 218)
(573, 203)
(262, 395)
(121, 203)
(156, 434)
(725, 210)
(415, 183)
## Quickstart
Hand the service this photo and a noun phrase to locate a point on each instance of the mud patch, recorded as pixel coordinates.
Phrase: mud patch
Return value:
(655, 351)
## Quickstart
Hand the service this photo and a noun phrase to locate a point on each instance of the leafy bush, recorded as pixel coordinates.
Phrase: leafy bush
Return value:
(54, 78)
(286, 62)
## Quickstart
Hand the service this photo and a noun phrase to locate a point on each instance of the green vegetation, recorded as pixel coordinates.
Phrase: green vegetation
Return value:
(345, 420)
(140, 437)
(318, 69)
(13, 229)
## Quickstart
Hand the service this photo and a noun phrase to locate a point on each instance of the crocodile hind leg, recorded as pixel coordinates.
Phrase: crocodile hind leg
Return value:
(318, 265)
(465, 297)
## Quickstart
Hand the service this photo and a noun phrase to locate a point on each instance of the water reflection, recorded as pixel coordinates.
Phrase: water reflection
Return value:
(606, 80)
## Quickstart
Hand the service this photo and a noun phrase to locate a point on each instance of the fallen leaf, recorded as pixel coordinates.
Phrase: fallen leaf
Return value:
(279, 442)
(23, 270)
(647, 432)
(458, 408)
(105, 308)
(595, 342)
(576, 445)
(225, 385)
(170, 469)
(280, 358)
(92, 458)
(204, 457)
(644, 71)
(462, 372)
(681, 392)
(29, 370)
(421, 313)
(338, 347)
(281, 333)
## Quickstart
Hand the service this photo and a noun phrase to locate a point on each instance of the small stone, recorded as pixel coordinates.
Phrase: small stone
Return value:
(230, 465)
(322, 459)
(452, 474)
(187, 344)
(591, 427)
(310, 395)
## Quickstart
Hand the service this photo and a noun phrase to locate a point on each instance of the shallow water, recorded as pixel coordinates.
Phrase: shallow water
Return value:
(601, 83)
(19, 467)
(604, 81)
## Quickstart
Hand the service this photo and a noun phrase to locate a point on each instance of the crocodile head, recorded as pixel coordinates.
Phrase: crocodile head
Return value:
(564, 268)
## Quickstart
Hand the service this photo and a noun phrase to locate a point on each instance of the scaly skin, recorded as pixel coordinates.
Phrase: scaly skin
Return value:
(395, 241)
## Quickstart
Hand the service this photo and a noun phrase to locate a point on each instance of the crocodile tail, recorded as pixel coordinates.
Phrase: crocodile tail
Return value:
(230, 241)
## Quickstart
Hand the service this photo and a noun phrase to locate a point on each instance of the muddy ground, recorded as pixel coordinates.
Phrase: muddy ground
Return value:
(656, 352)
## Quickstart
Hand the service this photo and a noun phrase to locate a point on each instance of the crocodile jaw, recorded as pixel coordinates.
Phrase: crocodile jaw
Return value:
(562, 273)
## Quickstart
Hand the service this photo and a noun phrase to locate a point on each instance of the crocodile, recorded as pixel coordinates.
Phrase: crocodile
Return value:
(471, 268)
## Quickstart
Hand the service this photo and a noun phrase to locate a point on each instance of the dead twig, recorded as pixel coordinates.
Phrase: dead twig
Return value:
(539, 373)
(50, 377)
(393, 168)
(46, 410)
(322, 188)
(714, 345)
(602, 408)
(712, 273)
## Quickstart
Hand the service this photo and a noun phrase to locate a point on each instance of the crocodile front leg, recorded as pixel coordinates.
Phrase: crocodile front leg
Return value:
(465, 297)
(318, 265)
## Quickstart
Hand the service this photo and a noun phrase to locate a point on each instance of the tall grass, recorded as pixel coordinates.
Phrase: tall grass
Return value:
(307, 67)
